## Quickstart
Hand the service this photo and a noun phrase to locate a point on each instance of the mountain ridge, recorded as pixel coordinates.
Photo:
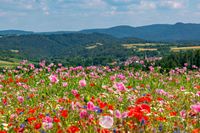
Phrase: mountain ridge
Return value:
(155, 32)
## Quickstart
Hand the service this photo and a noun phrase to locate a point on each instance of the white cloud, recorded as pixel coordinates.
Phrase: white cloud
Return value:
(147, 5)
(172, 4)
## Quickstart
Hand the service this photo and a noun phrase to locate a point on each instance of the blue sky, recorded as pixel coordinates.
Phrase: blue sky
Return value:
(55, 15)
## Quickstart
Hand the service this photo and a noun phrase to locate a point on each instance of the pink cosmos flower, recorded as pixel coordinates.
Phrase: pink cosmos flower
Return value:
(20, 99)
(82, 83)
(196, 107)
(120, 87)
(65, 84)
(47, 119)
(90, 106)
(118, 114)
(74, 92)
(53, 78)
(83, 114)
(106, 122)
(151, 68)
(32, 66)
(124, 114)
(1, 86)
(182, 88)
(183, 113)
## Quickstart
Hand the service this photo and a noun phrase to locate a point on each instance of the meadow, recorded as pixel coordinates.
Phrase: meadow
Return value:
(52, 98)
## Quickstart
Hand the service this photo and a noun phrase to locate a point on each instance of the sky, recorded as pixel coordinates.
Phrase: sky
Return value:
(67, 15)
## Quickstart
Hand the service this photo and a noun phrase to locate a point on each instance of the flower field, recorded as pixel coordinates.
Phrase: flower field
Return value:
(56, 99)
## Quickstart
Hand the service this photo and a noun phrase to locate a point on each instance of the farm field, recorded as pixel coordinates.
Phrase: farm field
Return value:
(185, 48)
(54, 98)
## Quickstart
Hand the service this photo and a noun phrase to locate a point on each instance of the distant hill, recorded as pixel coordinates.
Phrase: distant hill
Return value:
(64, 45)
(15, 32)
(156, 32)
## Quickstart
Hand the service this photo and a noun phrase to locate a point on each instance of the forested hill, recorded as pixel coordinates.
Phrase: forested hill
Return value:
(73, 44)
(155, 32)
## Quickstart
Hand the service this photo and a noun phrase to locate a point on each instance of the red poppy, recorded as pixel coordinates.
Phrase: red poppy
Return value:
(129, 87)
(173, 113)
(161, 119)
(64, 113)
(55, 119)
(102, 104)
(92, 84)
(159, 99)
(30, 119)
(197, 130)
(73, 129)
(18, 110)
(37, 125)
(143, 99)
(103, 131)
(2, 131)
(32, 111)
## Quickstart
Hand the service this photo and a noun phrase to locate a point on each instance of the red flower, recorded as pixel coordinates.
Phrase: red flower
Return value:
(92, 84)
(139, 112)
(103, 131)
(73, 129)
(55, 119)
(143, 99)
(32, 111)
(197, 130)
(173, 113)
(129, 87)
(37, 125)
(30, 119)
(64, 113)
(2, 131)
(102, 104)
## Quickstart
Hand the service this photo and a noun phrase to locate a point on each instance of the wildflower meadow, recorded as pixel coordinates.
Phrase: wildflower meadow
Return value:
(51, 98)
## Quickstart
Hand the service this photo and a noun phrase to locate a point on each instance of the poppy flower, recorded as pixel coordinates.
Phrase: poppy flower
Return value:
(73, 129)
(64, 113)
(37, 125)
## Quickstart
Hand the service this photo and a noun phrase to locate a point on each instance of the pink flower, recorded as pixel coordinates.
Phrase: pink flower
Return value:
(106, 121)
(83, 114)
(124, 114)
(182, 88)
(31, 66)
(183, 113)
(20, 99)
(90, 106)
(65, 84)
(53, 78)
(151, 68)
(47, 119)
(1, 86)
(82, 83)
(118, 114)
(196, 107)
(74, 92)
(120, 87)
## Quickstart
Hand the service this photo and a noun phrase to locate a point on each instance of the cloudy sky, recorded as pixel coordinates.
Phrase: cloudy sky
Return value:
(54, 15)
